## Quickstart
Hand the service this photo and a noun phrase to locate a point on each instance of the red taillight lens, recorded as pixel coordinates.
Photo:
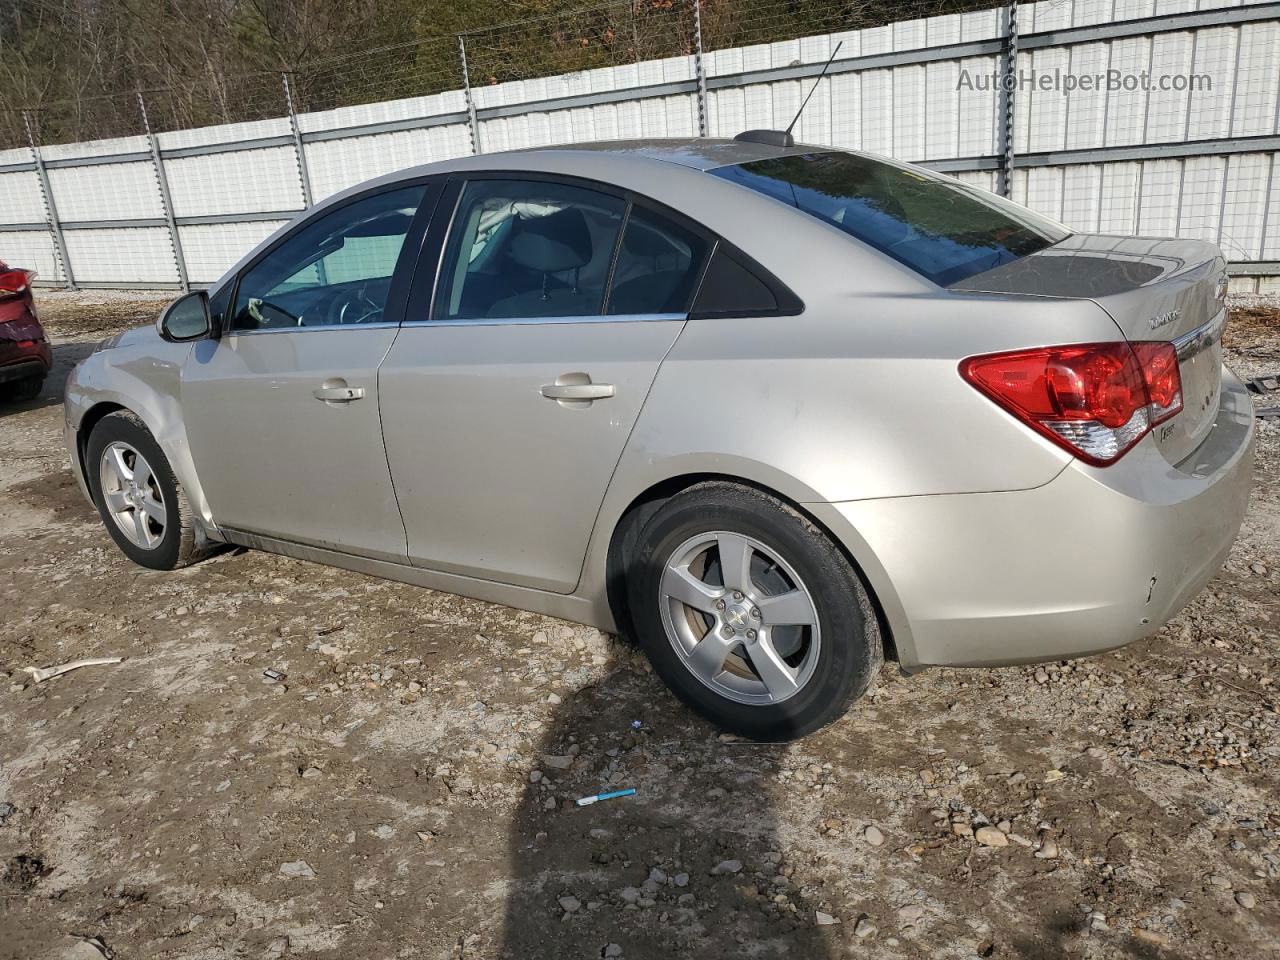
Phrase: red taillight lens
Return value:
(1095, 399)
(1164, 381)
(15, 281)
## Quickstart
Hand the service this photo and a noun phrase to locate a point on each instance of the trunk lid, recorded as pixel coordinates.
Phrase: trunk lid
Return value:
(1155, 290)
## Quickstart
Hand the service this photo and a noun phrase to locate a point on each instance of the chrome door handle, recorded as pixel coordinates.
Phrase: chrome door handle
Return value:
(578, 391)
(338, 394)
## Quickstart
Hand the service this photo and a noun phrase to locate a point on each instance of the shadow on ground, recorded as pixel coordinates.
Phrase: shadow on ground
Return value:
(591, 881)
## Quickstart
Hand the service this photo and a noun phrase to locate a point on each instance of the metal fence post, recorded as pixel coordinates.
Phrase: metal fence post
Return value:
(466, 89)
(698, 70)
(50, 208)
(1008, 87)
(166, 203)
(304, 175)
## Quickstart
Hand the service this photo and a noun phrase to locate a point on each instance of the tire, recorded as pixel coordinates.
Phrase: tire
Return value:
(22, 391)
(816, 669)
(171, 538)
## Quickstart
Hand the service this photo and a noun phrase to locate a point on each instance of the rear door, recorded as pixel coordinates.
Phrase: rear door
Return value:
(1155, 290)
(509, 394)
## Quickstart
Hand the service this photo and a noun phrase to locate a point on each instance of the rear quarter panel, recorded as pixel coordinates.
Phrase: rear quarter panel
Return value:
(857, 398)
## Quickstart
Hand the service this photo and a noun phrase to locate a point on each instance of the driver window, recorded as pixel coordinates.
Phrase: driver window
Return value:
(335, 271)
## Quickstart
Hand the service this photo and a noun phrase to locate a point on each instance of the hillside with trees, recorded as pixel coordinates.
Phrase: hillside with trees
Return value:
(77, 65)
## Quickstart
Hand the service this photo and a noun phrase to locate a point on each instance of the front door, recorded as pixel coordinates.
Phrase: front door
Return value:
(282, 411)
(506, 410)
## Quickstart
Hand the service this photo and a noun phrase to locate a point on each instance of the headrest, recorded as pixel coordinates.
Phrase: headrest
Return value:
(645, 243)
(558, 241)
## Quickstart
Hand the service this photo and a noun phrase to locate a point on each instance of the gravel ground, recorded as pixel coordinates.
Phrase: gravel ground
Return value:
(406, 790)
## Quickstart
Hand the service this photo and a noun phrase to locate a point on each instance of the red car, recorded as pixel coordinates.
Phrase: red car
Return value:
(25, 354)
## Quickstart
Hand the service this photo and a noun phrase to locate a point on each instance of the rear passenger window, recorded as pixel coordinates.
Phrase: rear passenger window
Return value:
(658, 266)
(729, 289)
(525, 248)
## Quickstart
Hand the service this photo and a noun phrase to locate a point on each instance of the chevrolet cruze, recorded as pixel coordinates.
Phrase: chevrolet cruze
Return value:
(777, 411)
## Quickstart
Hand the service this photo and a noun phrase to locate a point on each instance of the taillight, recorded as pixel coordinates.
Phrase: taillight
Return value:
(13, 282)
(1095, 399)
(1159, 363)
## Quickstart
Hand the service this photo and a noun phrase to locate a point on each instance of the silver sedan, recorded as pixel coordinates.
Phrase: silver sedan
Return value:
(776, 411)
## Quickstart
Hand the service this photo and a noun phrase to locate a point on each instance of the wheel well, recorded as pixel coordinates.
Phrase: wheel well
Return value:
(627, 531)
(87, 423)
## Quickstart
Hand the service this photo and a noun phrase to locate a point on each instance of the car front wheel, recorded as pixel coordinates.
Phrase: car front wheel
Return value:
(141, 502)
(751, 614)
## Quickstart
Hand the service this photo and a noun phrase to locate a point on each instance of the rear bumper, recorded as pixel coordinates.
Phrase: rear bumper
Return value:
(20, 360)
(1092, 560)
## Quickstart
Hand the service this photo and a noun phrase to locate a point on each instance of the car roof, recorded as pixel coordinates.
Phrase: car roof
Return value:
(645, 164)
(700, 153)
(653, 167)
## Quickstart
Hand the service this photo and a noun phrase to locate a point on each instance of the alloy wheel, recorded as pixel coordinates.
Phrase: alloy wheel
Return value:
(132, 495)
(740, 618)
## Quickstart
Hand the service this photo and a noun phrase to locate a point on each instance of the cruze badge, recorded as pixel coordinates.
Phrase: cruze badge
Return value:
(1163, 319)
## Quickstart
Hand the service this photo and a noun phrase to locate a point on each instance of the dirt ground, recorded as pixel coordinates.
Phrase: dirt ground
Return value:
(406, 790)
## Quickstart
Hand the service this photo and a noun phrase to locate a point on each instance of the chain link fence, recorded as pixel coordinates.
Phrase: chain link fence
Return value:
(609, 35)
(197, 103)
(742, 23)
(411, 69)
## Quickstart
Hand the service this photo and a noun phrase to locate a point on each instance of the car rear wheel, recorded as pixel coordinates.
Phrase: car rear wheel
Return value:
(22, 391)
(140, 501)
(751, 614)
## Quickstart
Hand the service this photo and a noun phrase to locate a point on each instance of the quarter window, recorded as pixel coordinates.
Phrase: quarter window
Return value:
(730, 289)
(335, 270)
(522, 249)
(658, 266)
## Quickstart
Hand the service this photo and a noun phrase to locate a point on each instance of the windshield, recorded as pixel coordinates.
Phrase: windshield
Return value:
(941, 228)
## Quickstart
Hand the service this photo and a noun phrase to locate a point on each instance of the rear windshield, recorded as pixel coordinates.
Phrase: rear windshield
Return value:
(941, 228)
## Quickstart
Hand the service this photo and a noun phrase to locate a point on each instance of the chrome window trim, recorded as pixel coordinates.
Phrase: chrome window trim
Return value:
(478, 322)
(1189, 344)
(514, 321)
(387, 325)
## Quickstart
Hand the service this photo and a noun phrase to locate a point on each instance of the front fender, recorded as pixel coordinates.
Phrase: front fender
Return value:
(145, 379)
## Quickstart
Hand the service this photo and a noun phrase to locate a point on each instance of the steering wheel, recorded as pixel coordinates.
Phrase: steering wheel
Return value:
(354, 306)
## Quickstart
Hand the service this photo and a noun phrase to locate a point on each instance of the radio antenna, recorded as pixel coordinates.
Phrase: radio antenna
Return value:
(814, 87)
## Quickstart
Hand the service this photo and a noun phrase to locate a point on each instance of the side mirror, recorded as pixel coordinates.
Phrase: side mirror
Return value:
(187, 318)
